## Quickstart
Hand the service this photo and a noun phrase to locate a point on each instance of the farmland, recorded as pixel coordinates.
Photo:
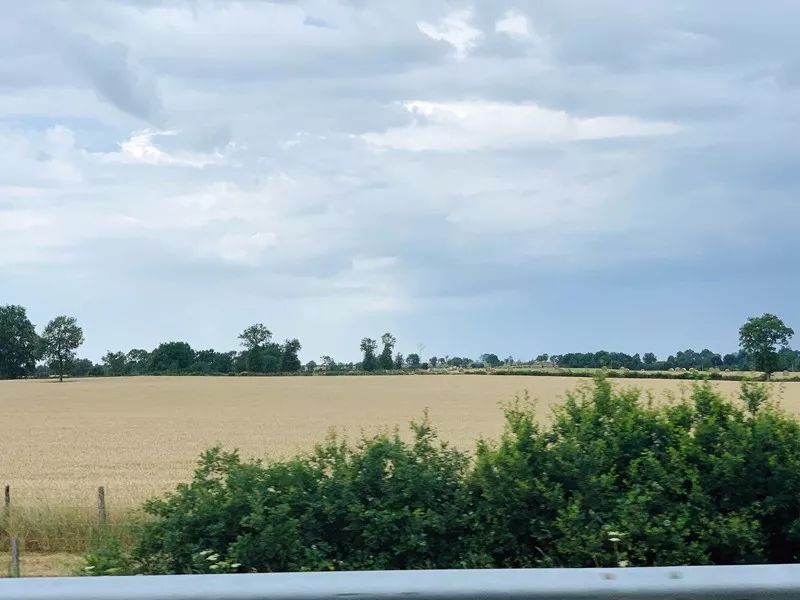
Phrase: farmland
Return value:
(139, 436)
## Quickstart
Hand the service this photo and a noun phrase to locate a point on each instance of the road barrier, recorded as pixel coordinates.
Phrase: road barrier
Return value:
(755, 582)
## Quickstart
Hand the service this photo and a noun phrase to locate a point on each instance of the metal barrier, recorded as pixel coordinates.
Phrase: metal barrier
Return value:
(760, 582)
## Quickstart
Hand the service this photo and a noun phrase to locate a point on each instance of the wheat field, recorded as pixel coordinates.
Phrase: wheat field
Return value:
(139, 436)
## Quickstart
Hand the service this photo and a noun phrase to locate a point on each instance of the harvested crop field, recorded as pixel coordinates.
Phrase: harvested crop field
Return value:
(140, 436)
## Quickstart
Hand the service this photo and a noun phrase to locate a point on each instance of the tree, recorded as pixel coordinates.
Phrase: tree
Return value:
(490, 360)
(368, 346)
(542, 358)
(759, 337)
(289, 359)
(138, 361)
(223, 362)
(255, 336)
(83, 367)
(18, 343)
(788, 359)
(412, 361)
(433, 360)
(385, 360)
(254, 360)
(311, 366)
(328, 364)
(171, 357)
(116, 363)
(61, 337)
(649, 359)
(398, 361)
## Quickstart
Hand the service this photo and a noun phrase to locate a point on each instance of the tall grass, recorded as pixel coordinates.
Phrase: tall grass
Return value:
(49, 528)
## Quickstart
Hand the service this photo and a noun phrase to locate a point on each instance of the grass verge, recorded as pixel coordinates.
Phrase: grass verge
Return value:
(57, 529)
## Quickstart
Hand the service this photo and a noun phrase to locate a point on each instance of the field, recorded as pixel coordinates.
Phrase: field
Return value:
(140, 436)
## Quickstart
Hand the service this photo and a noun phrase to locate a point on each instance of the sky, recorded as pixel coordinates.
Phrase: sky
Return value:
(513, 177)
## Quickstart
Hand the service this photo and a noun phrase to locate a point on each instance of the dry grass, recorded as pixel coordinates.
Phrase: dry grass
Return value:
(140, 436)
(36, 564)
(52, 528)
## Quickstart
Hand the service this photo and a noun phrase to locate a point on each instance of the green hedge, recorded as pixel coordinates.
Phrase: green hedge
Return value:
(614, 479)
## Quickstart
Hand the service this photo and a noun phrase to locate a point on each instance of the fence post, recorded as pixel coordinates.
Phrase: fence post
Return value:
(7, 501)
(14, 558)
(101, 505)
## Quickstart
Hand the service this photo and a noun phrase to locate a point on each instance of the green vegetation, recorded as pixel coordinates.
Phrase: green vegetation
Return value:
(368, 346)
(759, 338)
(75, 530)
(615, 479)
(763, 340)
(61, 337)
(18, 343)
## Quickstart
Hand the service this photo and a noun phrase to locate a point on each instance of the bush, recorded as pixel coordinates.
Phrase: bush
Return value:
(613, 480)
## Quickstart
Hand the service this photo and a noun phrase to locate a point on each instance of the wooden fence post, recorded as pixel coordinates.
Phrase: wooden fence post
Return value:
(7, 501)
(101, 505)
(14, 557)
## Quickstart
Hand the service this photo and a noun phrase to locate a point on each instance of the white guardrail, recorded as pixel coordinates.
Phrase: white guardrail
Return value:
(648, 583)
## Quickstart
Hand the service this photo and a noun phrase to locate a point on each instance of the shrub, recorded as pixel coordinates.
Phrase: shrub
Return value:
(615, 479)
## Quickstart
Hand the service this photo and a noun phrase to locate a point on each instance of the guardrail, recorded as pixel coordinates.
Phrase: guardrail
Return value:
(756, 582)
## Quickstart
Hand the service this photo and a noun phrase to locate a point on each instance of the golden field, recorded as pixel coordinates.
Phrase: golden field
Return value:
(139, 436)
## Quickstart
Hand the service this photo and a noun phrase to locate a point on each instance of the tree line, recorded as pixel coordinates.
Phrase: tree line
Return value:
(26, 353)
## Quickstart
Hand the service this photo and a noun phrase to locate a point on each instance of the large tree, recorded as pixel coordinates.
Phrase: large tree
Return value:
(18, 342)
(759, 338)
(368, 346)
(290, 362)
(171, 357)
(138, 361)
(255, 336)
(61, 337)
(386, 360)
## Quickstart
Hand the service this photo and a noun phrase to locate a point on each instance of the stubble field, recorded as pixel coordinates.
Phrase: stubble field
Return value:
(140, 436)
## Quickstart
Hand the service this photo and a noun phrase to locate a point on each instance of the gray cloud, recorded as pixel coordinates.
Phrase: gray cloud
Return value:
(251, 159)
(116, 78)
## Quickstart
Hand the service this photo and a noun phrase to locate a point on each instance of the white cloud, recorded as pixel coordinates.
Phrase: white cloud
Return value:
(244, 248)
(455, 30)
(477, 125)
(21, 220)
(140, 148)
(514, 25)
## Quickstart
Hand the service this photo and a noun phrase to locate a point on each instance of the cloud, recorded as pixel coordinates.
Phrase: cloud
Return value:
(451, 158)
(313, 21)
(140, 148)
(455, 30)
(374, 263)
(244, 248)
(116, 77)
(479, 125)
(513, 24)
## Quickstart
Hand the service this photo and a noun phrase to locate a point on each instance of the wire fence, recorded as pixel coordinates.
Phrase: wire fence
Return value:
(46, 528)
